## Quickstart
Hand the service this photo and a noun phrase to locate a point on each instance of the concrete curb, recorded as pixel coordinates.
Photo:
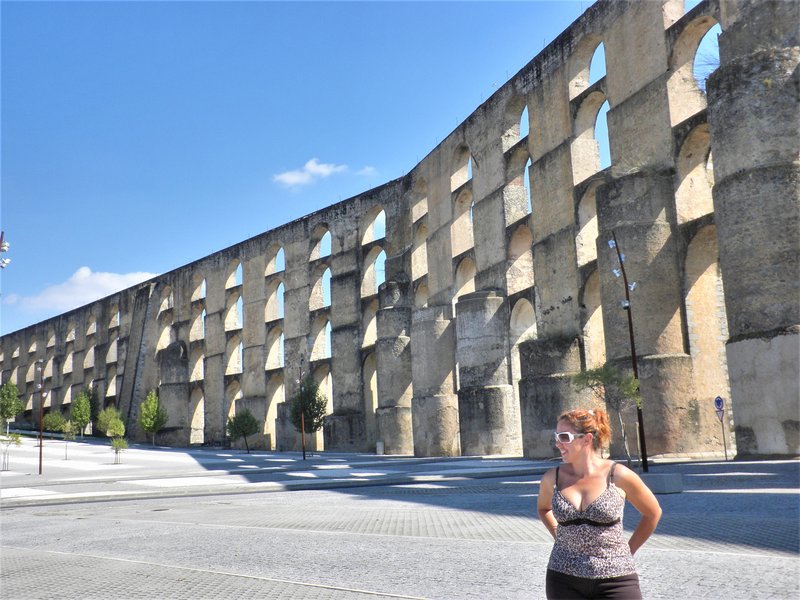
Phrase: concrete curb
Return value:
(265, 487)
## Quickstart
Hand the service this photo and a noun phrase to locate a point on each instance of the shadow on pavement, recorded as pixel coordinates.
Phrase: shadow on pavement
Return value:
(753, 504)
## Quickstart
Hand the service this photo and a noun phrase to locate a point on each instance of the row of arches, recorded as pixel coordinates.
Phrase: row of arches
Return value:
(587, 89)
(319, 336)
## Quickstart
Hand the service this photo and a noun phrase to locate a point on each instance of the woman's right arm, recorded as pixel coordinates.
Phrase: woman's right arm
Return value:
(544, 504)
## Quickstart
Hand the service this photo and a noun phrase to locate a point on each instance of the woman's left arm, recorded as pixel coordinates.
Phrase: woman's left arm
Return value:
(643, 500)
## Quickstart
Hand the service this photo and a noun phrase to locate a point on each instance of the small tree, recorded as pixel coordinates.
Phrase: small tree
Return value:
(10, 404)
(242, 424)
(7, 441)
(105, 417)
(68, 428)
(152, 416)
(80, 414)
(115, 429)
(618, 391)
(118, 444)
(308, 406)
(53, 421)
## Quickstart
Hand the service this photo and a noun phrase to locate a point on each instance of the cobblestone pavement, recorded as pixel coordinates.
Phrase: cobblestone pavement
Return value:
(732, 534)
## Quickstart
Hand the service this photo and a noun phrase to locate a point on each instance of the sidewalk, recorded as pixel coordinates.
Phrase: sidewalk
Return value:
(89, 473)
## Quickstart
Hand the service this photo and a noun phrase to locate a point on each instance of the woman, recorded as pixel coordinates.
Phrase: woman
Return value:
(581, 503)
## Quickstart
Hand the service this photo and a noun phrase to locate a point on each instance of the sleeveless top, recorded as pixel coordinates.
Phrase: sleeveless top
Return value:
(591, 543)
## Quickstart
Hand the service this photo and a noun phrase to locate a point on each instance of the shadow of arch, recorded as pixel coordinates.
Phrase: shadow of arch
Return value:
(695, 175)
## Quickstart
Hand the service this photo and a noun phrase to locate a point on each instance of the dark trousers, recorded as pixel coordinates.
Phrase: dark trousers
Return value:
(560, 586)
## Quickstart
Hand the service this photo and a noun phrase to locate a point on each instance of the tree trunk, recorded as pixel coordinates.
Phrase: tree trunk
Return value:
(624, 439)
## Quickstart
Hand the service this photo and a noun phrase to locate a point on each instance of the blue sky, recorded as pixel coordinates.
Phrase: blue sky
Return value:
(140, 136)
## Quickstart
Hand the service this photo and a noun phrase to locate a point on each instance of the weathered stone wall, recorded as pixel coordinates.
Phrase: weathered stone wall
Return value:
(497, 284)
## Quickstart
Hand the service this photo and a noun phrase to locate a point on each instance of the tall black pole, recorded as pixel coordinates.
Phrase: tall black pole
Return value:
(40, 369)
(629, 309)
(302, 414)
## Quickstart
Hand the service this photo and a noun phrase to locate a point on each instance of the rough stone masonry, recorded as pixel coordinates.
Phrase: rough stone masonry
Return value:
(498, 287)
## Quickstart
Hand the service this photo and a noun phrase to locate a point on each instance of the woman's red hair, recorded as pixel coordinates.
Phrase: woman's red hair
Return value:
(593, 421)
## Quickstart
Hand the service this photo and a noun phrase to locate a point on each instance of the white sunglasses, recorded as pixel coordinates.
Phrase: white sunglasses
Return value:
(566, 437)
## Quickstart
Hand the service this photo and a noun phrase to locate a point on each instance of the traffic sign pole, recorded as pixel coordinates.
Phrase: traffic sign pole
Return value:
(719, 406)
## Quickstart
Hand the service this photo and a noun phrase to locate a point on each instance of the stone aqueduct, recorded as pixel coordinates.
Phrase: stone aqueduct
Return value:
(497, 290)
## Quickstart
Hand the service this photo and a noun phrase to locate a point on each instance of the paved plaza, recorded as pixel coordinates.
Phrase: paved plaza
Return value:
(215, 524)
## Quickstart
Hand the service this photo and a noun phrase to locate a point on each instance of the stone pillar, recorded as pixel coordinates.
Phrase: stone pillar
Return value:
(755, 140)
(636, 208)
(394, 419)
(287, 438)
(253, 379)
(434, 405)
(546, 390)
(487, 409)
(345, 429)
(173, 393)
(254, 382)
(214, 366)
(296, 334)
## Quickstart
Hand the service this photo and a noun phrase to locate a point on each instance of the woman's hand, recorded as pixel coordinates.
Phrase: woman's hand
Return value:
(643, 500)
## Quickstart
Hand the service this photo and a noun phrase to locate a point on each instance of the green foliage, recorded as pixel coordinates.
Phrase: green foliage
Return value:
(118, 444)
(13, 439)
(81, 411)
(310, 402)
(109, 421)
(53, 421)
(115, 428)
(596, 379)
(629, 389)
(243, 424)
(152, 416)
(68, 429)
(105, 417)
(10, 404)
(608, 384)
(7, 441)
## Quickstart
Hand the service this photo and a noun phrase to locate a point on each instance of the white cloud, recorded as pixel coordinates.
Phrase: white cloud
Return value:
(311, 172)
(83, 287)
(368, 171)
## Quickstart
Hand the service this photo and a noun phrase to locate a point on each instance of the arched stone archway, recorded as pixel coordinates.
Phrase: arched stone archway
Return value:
(695, 176)
(707, 328)
(519, 275)
(594, 339)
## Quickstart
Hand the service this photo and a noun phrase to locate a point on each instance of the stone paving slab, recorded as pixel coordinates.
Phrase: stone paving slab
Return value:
(149, 581)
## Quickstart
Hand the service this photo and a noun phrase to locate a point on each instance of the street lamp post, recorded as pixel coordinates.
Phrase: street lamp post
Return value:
(42, 396)
(302, 414)
(626, 304)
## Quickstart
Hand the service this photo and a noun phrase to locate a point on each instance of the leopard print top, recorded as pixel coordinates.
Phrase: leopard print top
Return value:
(590, 543)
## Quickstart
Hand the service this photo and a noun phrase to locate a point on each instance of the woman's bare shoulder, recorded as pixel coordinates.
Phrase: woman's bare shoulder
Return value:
(625, 477)
(549, 476)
